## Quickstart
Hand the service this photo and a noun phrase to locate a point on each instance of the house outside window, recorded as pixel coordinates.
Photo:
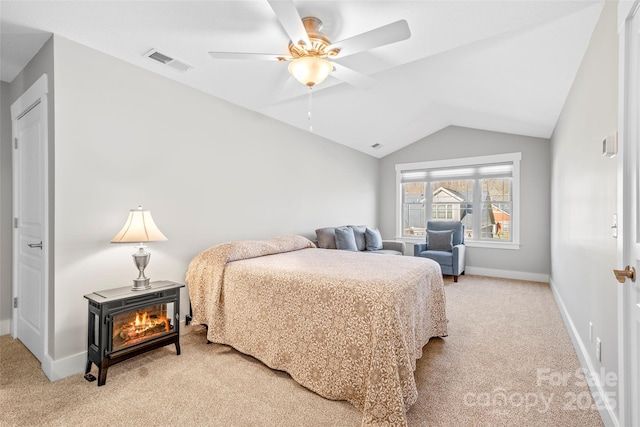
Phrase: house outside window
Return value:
(482, 192)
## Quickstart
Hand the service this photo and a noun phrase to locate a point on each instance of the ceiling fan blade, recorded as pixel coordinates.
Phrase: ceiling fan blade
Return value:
(352, 77)
(255, 56)
(290, 20)
(387, 34)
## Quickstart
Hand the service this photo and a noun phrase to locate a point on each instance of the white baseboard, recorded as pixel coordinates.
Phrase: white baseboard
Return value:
(607, 413)
(507, 274)
(62, 368)
(5, 326)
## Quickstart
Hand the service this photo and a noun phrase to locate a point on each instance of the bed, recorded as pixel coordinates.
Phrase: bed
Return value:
(346, 325)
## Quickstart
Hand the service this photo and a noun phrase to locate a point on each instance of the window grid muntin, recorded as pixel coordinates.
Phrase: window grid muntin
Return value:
(473, 223)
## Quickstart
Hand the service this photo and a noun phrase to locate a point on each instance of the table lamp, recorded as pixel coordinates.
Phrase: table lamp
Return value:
(139, 228)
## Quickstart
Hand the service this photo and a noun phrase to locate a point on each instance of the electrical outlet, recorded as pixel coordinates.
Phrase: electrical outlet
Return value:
(590, 332)
(598, 349)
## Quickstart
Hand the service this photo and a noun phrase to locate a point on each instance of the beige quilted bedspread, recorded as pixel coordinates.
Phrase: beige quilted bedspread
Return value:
(349, 326)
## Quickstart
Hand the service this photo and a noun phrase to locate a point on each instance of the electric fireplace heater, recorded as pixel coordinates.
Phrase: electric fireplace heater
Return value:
(124, 323)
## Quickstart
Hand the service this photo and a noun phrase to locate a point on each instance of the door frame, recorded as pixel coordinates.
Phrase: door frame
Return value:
(37, 93)
(628, 123)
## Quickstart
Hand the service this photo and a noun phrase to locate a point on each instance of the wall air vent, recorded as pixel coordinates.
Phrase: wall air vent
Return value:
(167, 60)
(376, 145)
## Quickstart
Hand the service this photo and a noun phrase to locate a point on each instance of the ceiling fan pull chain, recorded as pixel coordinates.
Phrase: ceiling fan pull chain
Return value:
(310, 105)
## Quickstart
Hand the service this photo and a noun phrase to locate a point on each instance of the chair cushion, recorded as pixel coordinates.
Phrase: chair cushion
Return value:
(373, 239)
(326, 237)
(358, 232)
(456, 226)
(386, 252)
(441, 257)
(345, 239)
(440, 240)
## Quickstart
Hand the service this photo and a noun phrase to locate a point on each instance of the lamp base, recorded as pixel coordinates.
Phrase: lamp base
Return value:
(141, 284)
(141, 259)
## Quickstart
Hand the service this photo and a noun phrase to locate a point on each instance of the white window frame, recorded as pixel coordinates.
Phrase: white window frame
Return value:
(513, 158)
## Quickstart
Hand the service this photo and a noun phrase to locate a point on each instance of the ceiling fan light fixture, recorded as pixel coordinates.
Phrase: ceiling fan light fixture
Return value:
(310, 70)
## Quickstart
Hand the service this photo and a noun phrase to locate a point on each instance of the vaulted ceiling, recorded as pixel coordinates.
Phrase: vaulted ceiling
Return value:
(504, 66)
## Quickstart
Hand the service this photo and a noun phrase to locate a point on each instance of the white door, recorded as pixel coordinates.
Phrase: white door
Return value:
(629, 291)
(29, 211)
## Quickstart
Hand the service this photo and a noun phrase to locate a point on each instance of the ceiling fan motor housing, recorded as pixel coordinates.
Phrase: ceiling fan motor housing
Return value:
(319, 42)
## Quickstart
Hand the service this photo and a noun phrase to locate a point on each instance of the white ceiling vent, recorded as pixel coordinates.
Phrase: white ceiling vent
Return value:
(167, 60)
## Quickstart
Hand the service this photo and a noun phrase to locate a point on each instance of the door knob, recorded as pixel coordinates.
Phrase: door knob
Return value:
(35, 245)
(621, 275)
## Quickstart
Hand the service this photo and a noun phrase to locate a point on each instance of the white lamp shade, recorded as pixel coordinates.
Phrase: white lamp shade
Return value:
(310, 70)
(139, 228)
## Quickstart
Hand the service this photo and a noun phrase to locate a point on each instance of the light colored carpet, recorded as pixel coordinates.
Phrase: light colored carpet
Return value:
(506, 346)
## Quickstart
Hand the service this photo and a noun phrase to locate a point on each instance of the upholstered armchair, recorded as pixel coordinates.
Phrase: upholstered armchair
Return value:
(445, 245)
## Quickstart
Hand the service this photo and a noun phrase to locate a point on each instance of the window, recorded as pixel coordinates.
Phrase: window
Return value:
(482, 192)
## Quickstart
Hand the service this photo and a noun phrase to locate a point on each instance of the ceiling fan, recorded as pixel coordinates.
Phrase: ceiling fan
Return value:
(311, 54)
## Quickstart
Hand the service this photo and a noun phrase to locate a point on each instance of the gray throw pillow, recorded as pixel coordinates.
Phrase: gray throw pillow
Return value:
(373, 239)
(440, 240)
(358, 232)
(326, 237)
(345, 239)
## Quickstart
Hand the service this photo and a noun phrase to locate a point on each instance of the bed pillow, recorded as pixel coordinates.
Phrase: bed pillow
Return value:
(440, 240)
(373, 239)
(326, 237)
(345, 239)
(358, 232)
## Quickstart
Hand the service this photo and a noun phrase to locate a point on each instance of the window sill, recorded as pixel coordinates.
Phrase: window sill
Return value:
(469, 243)
(492, 245)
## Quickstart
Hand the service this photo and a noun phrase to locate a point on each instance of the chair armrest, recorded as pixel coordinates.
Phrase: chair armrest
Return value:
(458, 258)
(394, 245)
(419, 247)
(458, 250)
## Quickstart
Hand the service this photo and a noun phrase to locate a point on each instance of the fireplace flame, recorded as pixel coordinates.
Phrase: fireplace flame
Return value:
(143, 326)
(133, 327)
(141, 321)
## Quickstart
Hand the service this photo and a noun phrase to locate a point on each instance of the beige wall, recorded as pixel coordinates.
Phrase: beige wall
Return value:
(208, 171)
(583, 202)
(5, 209)
(532, 259)
(211, 172)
